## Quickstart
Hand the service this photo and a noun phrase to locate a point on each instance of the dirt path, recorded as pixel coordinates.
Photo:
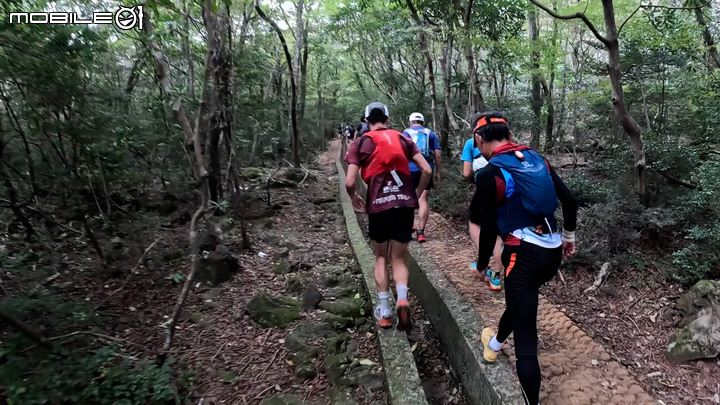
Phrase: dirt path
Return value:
(237, 360)
(576, 370)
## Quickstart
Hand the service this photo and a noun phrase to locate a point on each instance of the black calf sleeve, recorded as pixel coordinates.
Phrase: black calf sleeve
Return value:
(528, 268)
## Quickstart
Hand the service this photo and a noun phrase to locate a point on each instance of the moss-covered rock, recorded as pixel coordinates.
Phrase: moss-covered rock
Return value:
(283, 267)
(336, 321)
(700, 339)
(251, 173)
(347, 307)
(703, 294)
(269, 310)
(219, 266)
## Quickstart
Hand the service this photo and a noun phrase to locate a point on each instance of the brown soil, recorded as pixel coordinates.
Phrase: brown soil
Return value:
(576, 369)
(219, 337)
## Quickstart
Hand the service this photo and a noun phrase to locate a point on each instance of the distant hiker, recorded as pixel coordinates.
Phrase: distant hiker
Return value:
(348, 132)
(516, 197)
(429, 145)
(382, 155)
(362, 128)
(473, 162)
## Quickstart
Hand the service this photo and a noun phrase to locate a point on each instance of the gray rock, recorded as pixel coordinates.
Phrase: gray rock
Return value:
(296, 284)
(362, 376)
(305, 370)
(282, 399)
(703, 294)
(269, 310)
(300, 344)
(217, 267)
(339, 239)
(297, 175)
(291, 244)
(311, 297)
(336, 321)
(283, 267)
(348, 307)
(340, 396)
(699, 339)
(342, 291)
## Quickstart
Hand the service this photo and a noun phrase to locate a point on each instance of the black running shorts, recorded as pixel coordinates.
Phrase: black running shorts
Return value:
(416, 180)
(393, 224)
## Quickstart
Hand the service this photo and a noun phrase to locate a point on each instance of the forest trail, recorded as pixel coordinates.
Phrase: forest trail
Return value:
(576, 370)
(241, 362)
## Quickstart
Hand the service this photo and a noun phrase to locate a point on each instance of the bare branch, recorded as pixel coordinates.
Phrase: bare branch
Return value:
(580, 16)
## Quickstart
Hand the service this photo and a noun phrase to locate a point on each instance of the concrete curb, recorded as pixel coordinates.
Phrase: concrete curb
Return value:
(401, 376)
(459, 327)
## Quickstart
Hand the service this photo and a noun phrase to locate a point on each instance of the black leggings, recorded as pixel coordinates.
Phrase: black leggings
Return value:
(528, 267)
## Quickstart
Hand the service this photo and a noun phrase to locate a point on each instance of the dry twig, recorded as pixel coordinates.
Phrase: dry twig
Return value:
(599, 279)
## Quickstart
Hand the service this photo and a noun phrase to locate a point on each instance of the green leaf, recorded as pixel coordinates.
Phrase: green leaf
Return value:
(228, 376)
(227, 2)
(367, 362)
(214, 6)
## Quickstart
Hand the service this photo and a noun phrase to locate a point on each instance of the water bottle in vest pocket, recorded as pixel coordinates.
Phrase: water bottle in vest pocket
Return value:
(526, 173)
(421, 137)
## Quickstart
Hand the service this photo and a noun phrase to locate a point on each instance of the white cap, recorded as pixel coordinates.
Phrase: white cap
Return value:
(416, 116)
(379, 106)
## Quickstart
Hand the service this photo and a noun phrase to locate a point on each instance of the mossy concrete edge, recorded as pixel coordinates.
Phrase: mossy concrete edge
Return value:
(459, 327)
(401, 375)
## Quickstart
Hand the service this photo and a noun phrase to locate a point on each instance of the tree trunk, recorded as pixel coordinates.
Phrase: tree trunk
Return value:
(476, 102)
(12, 193)
(446, 73)
(622, 115)
(536, 101)
(293, 88)
(429, 60)
(186, 50)
(298, 64)
(707, 36)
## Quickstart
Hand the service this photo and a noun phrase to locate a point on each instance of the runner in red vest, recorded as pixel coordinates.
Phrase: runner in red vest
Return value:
(382, 156)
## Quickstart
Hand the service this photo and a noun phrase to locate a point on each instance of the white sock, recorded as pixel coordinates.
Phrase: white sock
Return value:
(384, 302)
(402, 291)
(494, 344)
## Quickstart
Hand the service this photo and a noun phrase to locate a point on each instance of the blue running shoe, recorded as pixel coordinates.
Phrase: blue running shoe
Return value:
(494, 281)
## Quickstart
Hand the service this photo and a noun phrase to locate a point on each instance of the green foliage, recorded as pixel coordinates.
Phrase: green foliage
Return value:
(587, 190)
(97, 377)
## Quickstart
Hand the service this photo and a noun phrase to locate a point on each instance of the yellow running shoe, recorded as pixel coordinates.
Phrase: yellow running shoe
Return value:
(489, 354)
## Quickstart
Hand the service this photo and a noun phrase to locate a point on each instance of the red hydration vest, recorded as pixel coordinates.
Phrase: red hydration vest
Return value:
(389, 154)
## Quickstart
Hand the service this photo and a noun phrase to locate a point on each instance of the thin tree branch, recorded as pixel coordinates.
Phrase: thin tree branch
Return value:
(646, 6)
(580, 16)
(25, 329)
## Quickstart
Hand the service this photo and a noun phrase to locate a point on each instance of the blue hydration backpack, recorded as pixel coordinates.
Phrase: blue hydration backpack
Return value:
(421, 137)
(527, 175)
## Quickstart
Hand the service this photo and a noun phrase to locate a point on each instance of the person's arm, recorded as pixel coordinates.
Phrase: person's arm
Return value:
(353, 158)
(485, 204)
(467, 158)
(467, 170)
(569, 208)
(437, 151)
(420, 162)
